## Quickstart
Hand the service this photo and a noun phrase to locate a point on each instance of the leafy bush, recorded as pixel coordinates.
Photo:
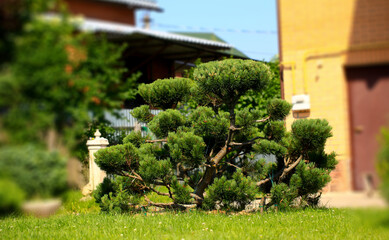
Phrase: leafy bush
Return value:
(165, 93)
(38, 172)
(11, 196)
(114, 195)
(233, 194)
(135, 137)
(282, 196)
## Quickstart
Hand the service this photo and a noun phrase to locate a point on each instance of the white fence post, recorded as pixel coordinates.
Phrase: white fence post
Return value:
(96, 175)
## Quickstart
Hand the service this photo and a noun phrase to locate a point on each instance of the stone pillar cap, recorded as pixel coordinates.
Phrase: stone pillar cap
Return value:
(97, 141)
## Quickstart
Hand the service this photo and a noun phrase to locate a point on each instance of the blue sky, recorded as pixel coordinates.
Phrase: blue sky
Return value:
(249, 25)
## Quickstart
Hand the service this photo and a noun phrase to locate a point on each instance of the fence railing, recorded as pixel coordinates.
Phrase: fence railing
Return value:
(123, 120)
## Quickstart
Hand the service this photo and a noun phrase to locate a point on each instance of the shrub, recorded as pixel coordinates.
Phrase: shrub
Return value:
(233, 194)
(11, 196)
(114, 195)
(210, 153)
(38, 172)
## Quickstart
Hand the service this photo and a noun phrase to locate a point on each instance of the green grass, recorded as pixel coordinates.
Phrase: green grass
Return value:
(301, 224)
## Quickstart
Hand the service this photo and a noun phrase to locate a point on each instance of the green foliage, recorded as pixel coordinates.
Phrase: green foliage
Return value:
(135, 137)
(323, 160)
(308, 180)
(152, 169)
(165, 93)
(211, 157)
(17, 12)
(156, 150)
(116, 203)
(102, 189)
(233, 194)
(207, 124)
(311, 134)
(258, 99)
(308, 223)
(116, 195)
(72, 203)
(383, 162)
(117, 158)
(181, 193)
(282, 195)
(231, 78)
(114, 137)
(55, 79)
(275, 130)
(270, 147)
(186, 148)
(38, 172)
(165, 122)
(142, 113)
(278, 109)
(246, 118)
(11, 196)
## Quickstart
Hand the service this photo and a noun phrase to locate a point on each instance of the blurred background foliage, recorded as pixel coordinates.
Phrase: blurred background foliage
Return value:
(54, 83)
(383, 162)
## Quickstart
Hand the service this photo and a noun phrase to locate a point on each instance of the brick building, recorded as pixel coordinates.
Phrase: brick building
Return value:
(335, 65)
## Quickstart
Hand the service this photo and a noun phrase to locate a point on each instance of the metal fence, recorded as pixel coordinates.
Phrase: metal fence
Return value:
(123, 120)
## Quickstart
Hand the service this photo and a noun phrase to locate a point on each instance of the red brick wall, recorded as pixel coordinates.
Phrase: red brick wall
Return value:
(102, 10)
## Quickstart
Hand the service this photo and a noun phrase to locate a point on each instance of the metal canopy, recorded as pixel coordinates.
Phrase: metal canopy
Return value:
(145, 42)
(143, 4)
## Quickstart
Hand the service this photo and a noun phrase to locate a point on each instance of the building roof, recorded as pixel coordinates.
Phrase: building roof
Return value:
(145, 4)
(149, 44)
(213, 37)
(95, 25)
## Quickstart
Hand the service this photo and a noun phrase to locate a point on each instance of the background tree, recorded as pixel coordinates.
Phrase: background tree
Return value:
(56, 80)
(209, 156)
(52, 78)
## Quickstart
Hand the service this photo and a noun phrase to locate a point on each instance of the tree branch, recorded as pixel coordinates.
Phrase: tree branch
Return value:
(233, 165)
(263, 120)
(233, 128)
(281, 174)
(170, 192)
(138, 177)
(157, 192)
(157, 140)
(252, 141)
(165, 205)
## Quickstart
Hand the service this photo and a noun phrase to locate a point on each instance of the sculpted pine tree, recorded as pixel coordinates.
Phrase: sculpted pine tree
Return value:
(212, 155)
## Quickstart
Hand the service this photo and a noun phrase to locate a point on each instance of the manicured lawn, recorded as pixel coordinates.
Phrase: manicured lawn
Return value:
(301, 224)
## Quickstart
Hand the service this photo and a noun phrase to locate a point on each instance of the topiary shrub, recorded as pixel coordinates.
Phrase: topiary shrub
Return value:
(38, 172)
(233, 194)
(209, 155)
(11, 196)
(116, 195)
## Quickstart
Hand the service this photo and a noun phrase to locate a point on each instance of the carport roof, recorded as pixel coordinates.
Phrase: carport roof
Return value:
(144, 4)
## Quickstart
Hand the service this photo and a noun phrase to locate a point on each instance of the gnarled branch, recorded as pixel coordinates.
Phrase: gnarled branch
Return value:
(262, 120)
(157, 140)
(165, 205)
(281, 174)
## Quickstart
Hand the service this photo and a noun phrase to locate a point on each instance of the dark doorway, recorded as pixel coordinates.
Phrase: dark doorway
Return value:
(368, 88)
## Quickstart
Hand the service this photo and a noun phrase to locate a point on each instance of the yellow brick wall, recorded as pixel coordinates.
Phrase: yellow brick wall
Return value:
(315, 33)
(321, 38)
